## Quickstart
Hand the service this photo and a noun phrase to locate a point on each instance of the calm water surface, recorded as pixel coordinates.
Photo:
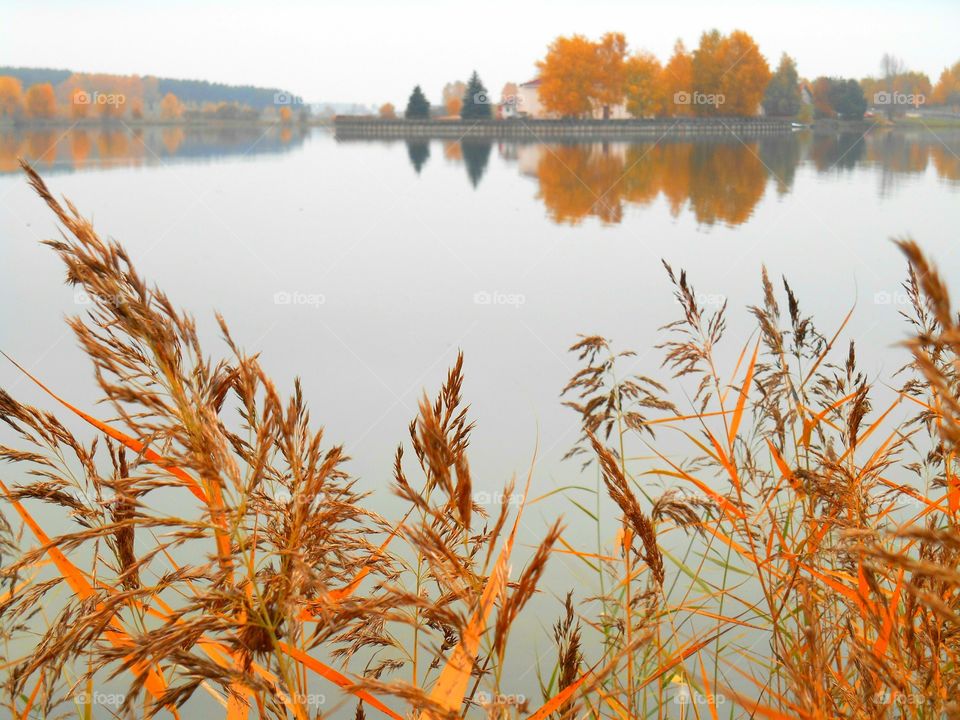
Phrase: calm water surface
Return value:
(364, 266)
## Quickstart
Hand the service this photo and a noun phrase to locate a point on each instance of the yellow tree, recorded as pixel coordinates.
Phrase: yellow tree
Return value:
(388, 111)
(286, 114)
(610, 66)
(644, 85)
(11, 96)
(745, 75)
(708, 74)
(947, 89)
(568, 77)
(452, 97)
(40, 101)
(79, 103)
(676, 82)
(170, 107)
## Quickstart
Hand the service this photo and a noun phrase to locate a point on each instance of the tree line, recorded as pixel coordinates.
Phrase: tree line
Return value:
(39, 94)
(725, 75)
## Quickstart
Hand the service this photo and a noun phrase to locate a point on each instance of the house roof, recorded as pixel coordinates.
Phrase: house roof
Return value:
(531, 83)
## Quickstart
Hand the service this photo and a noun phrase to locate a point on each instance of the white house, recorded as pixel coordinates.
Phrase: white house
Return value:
(529, 105)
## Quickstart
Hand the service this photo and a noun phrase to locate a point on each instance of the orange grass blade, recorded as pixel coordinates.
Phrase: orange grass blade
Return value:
(134, 445)
(678, 657)
(155, 682)
(809, 425)
(711, 700)
(33, 696)
(742, 399)
(451, 687)
(335, 677)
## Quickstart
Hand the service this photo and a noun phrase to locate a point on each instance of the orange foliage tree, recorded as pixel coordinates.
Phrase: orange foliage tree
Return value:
(644, 86)
(170, 107)
(947, 89)
(610, 71)
(729, 75)
(452, 97)
(11, 96)
(677, 81)
(40, 101)
(568, 77)
(388, 111)
(79, 103)
(746, 75)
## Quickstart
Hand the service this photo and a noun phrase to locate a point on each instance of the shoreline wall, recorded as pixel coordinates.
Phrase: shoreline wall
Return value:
(530, 129)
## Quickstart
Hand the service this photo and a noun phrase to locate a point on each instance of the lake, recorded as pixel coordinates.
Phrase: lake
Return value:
(364, 266)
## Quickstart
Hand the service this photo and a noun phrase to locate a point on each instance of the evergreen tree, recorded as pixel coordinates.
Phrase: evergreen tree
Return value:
(476, 100)
(848, 100)
(783, 93)
(418, 108)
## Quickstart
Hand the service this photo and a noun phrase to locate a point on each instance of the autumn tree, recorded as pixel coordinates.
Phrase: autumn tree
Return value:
(677, 81)
(40, 101)
(136, 108)
(476, 100)
(729, 75)
(567, 77)
(418, 107)
(782, 97)
(387, 111)
(644, 86)
(11, 97)
(453, 97)
(79, 103)
(610, 68)
(170, 107)
(746, 76)
(286, 114)
(947, 89)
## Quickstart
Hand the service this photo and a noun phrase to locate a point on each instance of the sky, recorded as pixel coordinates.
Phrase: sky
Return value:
(374, 51)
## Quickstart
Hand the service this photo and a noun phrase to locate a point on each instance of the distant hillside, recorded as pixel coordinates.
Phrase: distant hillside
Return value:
(188, 91)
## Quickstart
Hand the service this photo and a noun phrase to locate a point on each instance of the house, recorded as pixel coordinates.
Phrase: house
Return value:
(528, 99)
(528, 104)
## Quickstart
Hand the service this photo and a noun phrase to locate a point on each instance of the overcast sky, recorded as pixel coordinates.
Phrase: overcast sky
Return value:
(374, 51)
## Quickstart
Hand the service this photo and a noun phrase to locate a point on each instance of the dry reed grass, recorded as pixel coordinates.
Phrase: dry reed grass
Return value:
(819, 577)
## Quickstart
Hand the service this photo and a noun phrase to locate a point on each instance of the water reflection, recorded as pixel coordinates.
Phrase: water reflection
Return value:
(419, 152)
(57, 149)
(716, 180)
